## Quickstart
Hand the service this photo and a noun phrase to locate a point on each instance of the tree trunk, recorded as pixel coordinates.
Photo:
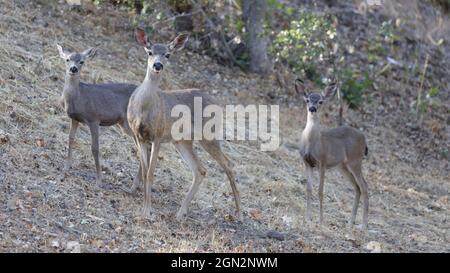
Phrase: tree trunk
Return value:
(253, 14)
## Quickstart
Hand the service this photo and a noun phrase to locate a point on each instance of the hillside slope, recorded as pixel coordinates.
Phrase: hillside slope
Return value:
(43, 208)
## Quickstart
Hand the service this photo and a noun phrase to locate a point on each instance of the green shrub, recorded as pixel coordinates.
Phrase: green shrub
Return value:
(354, 87)
(130, 4)
(305, 43)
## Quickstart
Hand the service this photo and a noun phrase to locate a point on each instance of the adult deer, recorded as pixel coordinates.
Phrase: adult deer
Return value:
(343, 146)
(93, 104)
(149, 116)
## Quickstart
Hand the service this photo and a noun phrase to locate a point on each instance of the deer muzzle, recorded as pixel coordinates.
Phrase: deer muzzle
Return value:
(158, 66)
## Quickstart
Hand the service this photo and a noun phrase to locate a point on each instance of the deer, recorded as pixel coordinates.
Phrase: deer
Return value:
(94, 105)
(322, 148)
(149, 116)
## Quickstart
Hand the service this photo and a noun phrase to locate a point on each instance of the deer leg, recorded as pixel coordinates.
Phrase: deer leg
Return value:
(213, 148)
(144, 158)
(321, 182)
(344, 170)
(94, 128)
(137, 181)
(309, 173)
(148, 182)
(190, 157)
(357, 174)
(73, 129)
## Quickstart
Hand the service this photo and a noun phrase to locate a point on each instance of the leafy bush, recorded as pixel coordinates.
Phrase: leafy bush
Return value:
(354, 87)
(130, 4)
(305, 43)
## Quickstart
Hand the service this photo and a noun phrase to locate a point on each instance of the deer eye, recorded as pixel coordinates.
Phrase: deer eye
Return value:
(320, 102)
(307, 101)
(81, 62)
(67, 60)
(167, 55)
(150, 53)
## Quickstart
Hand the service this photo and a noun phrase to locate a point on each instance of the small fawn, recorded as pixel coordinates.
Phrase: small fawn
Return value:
(93, 104)
(323, 148)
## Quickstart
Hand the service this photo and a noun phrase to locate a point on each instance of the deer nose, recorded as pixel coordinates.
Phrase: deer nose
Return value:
(158, 66)
(312, 109)
(73, 69)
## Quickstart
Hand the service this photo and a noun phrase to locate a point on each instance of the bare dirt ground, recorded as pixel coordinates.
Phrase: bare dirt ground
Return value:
(43, 208)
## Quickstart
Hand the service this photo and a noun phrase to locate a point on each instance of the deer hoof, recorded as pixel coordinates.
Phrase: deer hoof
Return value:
(67, 165)
(181, 214)
(100, 184)
(239, 216)
(131, 191)
(147, 214)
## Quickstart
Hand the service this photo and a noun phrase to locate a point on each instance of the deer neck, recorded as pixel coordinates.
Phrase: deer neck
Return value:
(71, 85)
(311, 133)
(149, 96)
(151, 82)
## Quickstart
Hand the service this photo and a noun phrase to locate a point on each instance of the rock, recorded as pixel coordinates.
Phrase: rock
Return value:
(11, 204)
(273, 234)
(74, 2)
(40, 142)
(374, 247)
(73, 247)
(255, 213)
(54, 243)
(4, 138)
(98, 243)
(288, 220)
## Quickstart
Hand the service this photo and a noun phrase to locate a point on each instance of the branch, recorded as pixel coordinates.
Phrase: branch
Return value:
(220, 32)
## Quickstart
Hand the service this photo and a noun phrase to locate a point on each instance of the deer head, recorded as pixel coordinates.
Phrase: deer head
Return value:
(314, 100)
(158, 54)
(74, 61)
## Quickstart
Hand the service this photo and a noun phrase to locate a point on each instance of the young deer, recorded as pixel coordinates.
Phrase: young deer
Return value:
(149, 116)
(93, 104)
(343, 146)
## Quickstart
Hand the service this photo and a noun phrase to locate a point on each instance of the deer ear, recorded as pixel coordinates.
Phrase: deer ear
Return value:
(89, 53)
(62, 53)
(300, 88)
(179, 42)
(330, 90)
(141, 37)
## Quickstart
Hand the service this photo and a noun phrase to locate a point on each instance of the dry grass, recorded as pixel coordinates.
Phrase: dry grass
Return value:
(43, 208)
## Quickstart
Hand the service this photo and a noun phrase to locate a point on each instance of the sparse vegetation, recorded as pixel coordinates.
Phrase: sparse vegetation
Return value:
(354, 87)
(307, 43)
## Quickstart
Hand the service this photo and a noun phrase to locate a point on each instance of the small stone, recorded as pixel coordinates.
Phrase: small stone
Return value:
(374, 247)
(74, 2)
(11, 204)
(55, 243)
(40, 142)
(273, 234)
(255, 213)
(73, 247)
(4, 138)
